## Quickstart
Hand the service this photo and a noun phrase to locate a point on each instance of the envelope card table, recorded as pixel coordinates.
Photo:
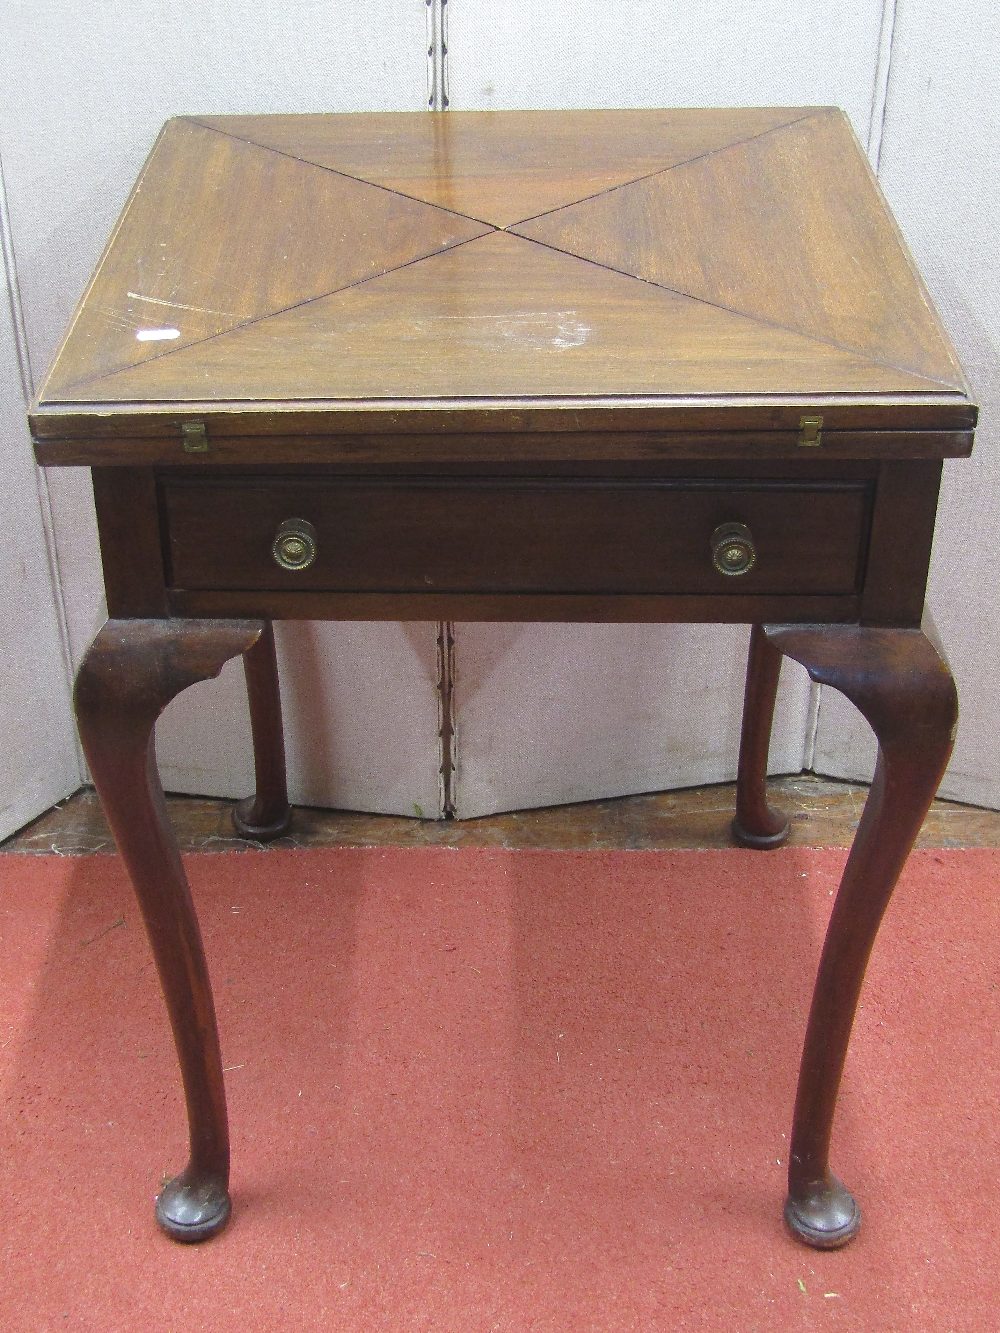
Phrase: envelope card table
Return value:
(582, 366)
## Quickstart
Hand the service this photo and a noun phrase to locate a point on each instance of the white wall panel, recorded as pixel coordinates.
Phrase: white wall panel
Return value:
(361, 721)
(939, 167)
(551, 714)
(83, 91)
(86, 87)
(547, 714)
(544, 713)
(589, 53)
(39, 758)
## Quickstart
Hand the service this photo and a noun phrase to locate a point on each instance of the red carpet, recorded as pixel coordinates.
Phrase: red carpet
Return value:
(489, 1090)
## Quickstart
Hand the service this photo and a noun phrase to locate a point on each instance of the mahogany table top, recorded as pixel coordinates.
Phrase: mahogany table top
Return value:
(622, 269)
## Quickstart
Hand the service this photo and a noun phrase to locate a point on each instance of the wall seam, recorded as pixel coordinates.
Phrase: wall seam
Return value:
(812, 727)
(14, 295)
(23, 351)
(880, 87)
(437, 55)
(446, 717)
(437, 100)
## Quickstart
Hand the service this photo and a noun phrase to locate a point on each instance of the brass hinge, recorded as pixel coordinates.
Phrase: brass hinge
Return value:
(194, 437)
(811, 431)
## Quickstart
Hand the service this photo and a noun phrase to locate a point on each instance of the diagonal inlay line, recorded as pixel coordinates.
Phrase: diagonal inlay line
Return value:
(326, 232)
(740, 314)
(472, 217)
(641, 330)
(344, 175)
(621, 263)
(661, 171)
(719, 227)
(261, 319)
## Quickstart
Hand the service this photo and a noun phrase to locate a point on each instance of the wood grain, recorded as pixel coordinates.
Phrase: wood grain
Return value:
(128, 524)
(500, 535)
(220, 233)
(904, 689)
(788, 227)
(308, 274)
(939, 426)
(266, 814)
(500, 316)
(590, 516)
(503, 166)
(756, 823)
(448, 448)
(130, 673)
(902, 536)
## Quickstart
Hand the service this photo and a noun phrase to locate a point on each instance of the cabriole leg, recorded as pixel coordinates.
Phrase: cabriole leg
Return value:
(758, 824)
(265, 815)
(902, 686)
(129, 675)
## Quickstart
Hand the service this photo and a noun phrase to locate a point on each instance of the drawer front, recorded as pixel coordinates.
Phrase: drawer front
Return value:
(522, 535)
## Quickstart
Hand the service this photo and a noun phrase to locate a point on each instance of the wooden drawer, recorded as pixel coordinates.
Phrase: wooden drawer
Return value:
(516, 535)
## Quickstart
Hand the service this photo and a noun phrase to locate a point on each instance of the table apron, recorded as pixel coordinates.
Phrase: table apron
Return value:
(616, 548)
(515, 535)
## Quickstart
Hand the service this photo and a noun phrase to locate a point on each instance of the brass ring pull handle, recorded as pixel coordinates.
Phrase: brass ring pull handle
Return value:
(733, 551)
(294, 545)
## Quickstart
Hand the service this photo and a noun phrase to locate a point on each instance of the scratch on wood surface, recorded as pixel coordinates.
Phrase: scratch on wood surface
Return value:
(179, 305)
(116, 319)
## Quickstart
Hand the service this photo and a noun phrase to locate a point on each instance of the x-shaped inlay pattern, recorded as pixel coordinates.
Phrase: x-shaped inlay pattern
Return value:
(485, 255)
